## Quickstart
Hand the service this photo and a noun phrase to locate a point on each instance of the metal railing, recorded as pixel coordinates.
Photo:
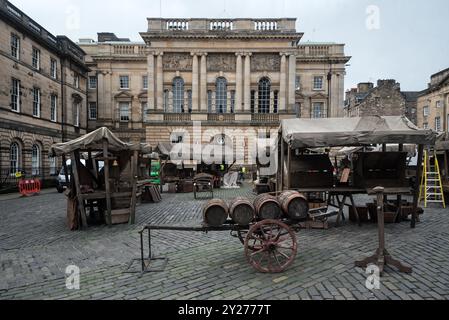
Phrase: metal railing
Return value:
(9, 179)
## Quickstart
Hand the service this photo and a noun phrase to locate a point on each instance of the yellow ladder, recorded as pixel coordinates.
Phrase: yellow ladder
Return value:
(431, 183)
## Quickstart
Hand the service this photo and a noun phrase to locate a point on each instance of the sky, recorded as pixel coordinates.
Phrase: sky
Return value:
(387, 39)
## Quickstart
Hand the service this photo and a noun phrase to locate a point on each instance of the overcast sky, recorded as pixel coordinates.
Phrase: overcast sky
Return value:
(406, 40)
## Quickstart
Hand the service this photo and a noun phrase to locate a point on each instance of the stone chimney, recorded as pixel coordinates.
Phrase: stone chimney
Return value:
(364, 87)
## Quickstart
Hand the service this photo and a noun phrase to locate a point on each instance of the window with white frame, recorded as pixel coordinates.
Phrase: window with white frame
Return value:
(438, 124)
(426, 125)
(53, 107)
(15, 95)
(124, 82)
(318, 83)
(189, 100)
(209, 101)
(76, 117)
(178, 95)
(35, 160)
(124, 111)
(15, 46)
(36, 102)
(76, 81)
(145, 82)
(92, 82)
(232, 101)
(438, 104)
(298, 83)
(426, 111)
(221, 95)
(166, 100)
(92, 111)
(36, 59)
(14, 158)
(318, 110)
(53, 166)
(53, 68)
(144, 106)
(264, 95)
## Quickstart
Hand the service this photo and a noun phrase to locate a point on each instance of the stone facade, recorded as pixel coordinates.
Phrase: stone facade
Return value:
(433, 103)
(39, 97)
(236, 73)
(386, 99)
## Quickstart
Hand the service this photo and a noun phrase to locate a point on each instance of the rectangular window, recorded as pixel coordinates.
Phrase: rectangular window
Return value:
(93, 82)
(53, 167)
(232, 101)
(298, 83)
(15, 95)
(166, 102)
(253, 101)
(76, 81)
(36, 59)
(15, 46)
(426, 125)
(36, 102)
(189, 100)
(318, 110)
(276, 102)
(53, 68)
(437, 124)
(124, 82)
(145, 82)
(124, 111)
(53, 107)
(209, 101)
(438, 104)
(317, 83)
(426, 111)
(76, 118)
(92, 111)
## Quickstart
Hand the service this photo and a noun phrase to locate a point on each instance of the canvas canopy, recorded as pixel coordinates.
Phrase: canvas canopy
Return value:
(340, 132)
(94, 141)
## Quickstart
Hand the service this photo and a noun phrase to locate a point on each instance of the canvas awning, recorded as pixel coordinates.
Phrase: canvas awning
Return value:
(340, 132)
(94, 141)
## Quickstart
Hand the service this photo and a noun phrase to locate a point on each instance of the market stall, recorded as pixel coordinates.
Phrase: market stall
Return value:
(369, 170)
(106, 184)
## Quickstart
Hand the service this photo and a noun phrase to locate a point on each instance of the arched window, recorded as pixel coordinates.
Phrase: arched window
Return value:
(178, 95)
(35, 160)
(264, 95)
(221, 95)
(14, 158)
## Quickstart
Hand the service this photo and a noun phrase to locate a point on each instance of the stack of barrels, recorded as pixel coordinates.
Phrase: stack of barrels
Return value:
(289, 205)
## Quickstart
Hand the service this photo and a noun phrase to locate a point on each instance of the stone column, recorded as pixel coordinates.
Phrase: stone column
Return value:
(239, 84)
(195, 87)
(150, 70)
(291, 82)
(203, 83)
(283, 84)
(160, 83)
(247, 83)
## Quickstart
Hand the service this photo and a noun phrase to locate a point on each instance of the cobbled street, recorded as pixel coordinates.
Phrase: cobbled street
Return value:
(36, 247)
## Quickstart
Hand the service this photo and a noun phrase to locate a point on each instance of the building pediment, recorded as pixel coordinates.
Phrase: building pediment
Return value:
(319, 96)
(143, 95)
(123, 96)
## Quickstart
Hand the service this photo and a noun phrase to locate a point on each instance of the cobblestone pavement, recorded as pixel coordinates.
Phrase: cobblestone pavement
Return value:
(36, 248)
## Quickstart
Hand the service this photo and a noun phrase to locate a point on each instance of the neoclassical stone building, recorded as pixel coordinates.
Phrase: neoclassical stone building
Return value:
(236, 73)
(43, 94)
(433, 103)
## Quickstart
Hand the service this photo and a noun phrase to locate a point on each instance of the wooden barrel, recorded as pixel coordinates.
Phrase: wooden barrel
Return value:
(267, 207)
(294, 205)
(242, 211)
(215, 213)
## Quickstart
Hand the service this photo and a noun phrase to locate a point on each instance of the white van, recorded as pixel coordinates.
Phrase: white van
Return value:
(61, 184)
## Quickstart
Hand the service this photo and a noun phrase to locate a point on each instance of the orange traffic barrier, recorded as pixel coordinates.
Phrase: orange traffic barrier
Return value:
(29, 187)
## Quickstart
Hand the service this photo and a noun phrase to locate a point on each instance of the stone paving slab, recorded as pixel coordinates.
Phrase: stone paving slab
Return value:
(36, 247)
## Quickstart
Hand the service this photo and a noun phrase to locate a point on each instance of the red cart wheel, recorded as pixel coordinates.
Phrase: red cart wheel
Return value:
(271, 246)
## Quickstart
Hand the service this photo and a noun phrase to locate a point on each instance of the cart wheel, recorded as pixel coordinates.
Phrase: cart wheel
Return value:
(271, 246)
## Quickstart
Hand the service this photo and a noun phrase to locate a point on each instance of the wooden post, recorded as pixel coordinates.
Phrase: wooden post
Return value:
(417, 186)
(282, 165)
(289, 183)
(81, 209)
(134, 164)
(66, 172)
(399, 197)
(107, 183)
